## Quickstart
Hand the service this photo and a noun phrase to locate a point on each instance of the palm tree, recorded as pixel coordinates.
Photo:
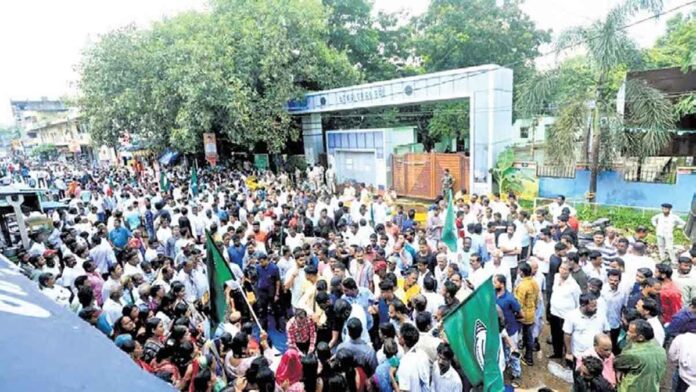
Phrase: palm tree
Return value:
(589, 114)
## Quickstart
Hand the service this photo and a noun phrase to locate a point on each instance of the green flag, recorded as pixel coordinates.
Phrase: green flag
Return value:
(472, 331)
(449, 231)
(218, 273)
(194, 181)
(164, 182)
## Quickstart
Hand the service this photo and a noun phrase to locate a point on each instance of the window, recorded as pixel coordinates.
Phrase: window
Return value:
(524, 132)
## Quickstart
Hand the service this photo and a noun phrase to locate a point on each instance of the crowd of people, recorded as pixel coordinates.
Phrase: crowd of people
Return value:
(345, 289)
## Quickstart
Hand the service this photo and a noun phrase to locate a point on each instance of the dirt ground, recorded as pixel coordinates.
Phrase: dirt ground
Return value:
(539, 376)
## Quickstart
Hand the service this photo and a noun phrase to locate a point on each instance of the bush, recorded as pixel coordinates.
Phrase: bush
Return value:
(626, 219)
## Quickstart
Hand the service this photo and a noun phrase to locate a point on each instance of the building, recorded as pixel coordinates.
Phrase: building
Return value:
(69, 136)
(675, 84)
(527, 130)
(32, 113)
(364, 155)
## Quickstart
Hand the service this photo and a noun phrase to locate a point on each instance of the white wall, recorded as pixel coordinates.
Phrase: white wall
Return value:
(539, 133)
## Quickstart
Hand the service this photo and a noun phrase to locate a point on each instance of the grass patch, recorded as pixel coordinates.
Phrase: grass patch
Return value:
(626, 219)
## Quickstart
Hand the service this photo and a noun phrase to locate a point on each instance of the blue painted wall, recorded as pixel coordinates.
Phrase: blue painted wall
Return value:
(613, 190)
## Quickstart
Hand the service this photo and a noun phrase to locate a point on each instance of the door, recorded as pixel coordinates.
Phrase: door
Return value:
(359, 166)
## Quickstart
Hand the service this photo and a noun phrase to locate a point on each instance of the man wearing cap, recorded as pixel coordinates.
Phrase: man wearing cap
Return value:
(664, 224)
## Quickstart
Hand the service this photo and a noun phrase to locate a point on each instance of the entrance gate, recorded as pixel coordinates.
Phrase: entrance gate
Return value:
(418, 174)
(488, 88)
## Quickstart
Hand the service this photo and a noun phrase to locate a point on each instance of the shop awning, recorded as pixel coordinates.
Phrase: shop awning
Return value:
(169, 157)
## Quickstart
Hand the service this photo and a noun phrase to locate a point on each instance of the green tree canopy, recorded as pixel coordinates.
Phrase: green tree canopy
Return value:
(230, 71)
(677, 47)
(376, 44)
(456, 34)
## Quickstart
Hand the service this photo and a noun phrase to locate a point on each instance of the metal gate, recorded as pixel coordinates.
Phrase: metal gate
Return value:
(419, 175)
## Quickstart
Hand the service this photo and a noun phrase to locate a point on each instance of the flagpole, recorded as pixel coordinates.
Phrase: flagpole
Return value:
(241, 284)
(251, 308)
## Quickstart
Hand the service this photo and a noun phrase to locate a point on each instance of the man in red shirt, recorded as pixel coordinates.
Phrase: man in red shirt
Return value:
(670, 294)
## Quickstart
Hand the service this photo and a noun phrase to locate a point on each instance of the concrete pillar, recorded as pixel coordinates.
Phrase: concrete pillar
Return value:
(17, 207)
(312, 137)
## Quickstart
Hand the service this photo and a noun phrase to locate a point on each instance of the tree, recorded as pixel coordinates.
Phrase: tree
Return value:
(455, 34)
(641, 132)
(505, 175)
(44, 151)
(10, 133)
(677, 47)
(450, 120)
(230, 70)
(375, 44)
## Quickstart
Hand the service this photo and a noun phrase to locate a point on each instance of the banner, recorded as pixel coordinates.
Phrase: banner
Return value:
(472, 330)
(210, 148)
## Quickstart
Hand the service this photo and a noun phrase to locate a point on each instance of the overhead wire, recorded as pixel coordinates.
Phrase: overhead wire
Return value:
(519, 62)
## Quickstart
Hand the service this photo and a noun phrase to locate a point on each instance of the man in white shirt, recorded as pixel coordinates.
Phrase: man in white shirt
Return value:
(498, 206)
(565, 297)
(648, 308)
(164, 232)
(556, 208)
(595, 268)
(294, 240)
(113, 306)
(543, 249)
(581, 325)
(444, 377)
(636, 259)
(295, 278)
(414, 369)
(664, 224)
(379, 210)
(510, 245)
(477, 274)
(681, 353)
(70, 272)
(496, 267)
(187, 276)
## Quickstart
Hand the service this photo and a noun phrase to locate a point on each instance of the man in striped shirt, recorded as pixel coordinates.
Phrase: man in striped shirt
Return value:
(598, 244)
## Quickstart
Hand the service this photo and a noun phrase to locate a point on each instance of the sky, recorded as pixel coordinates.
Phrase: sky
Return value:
(41, 40)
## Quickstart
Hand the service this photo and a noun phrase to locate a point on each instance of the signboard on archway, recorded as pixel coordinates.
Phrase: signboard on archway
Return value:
(488, 88)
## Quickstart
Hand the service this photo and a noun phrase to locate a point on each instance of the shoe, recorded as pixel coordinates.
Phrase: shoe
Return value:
(555, 357)
(537, 346)
(528, 363)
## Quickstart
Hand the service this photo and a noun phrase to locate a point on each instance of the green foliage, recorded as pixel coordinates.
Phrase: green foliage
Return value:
(677, 48)
(686, 105)
(9, 133)
(44, 151)
(561, 138)
(296, 162)
(649, 117)
(542, 93)
(375, 44)
(230, 71)
(508, 178)
(454, 34)
(626, 219)
(450, 120)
